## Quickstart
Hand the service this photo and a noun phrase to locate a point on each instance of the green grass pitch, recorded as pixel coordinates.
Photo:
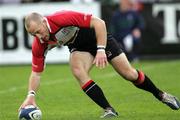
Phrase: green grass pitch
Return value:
(61, 98)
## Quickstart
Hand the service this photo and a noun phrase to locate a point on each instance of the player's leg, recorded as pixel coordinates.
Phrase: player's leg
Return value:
(123, 67)
(140, 80)
(81, 63)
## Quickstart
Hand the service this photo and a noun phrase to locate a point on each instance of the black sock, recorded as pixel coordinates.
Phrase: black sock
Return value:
(96, 94)
(143, 82)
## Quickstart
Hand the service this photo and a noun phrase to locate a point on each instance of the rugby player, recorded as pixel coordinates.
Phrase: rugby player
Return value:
(88, 43)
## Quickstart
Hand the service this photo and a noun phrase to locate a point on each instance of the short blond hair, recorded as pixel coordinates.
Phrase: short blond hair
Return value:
(33, 17)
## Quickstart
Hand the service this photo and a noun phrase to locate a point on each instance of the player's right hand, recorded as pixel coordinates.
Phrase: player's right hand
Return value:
(100, 59)
(30, 100)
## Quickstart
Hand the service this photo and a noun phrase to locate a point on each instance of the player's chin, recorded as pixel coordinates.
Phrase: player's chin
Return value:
(46, 37)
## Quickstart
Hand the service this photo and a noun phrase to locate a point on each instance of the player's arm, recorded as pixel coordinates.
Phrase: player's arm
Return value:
(100, 29)
(37, 68)
(34, 81)
(101, 36)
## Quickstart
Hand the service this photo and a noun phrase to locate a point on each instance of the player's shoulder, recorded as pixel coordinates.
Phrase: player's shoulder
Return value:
(58, 13)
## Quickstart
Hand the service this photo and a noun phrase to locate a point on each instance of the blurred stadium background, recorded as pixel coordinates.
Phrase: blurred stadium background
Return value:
(159, 58)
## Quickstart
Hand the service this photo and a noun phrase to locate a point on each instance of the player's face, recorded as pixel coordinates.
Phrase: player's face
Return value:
(39, 30)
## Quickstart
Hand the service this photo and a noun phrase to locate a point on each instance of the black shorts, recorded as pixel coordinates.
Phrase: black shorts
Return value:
(86, 41)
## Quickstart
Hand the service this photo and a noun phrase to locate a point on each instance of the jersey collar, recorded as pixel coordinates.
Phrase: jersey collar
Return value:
(48, 25)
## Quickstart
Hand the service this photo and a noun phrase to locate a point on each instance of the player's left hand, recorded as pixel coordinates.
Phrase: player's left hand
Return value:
(100, 59)
(30, 100)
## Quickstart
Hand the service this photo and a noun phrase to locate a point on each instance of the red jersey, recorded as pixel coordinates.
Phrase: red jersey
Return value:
(55, 22)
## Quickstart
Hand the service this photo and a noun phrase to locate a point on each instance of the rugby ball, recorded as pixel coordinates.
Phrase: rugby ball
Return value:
(30, 112)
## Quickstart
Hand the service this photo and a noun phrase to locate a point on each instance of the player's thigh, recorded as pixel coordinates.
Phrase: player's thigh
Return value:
(123, 67)
(81, 60)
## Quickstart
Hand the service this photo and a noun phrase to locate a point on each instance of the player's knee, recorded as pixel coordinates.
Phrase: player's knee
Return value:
(131, 75)
(77, 72)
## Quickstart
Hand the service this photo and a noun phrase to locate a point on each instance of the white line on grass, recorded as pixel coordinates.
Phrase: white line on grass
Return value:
(52, 82)
(109, 75)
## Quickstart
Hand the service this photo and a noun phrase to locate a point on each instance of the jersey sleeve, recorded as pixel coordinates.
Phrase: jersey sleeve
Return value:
(38, 58)
(71, 18)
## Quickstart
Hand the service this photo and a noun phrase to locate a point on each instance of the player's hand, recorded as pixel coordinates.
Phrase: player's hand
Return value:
(100, 59)
(30, 100)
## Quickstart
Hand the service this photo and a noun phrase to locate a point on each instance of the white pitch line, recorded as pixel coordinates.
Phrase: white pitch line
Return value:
(52, 82)
(109, 75)
(25, 86)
